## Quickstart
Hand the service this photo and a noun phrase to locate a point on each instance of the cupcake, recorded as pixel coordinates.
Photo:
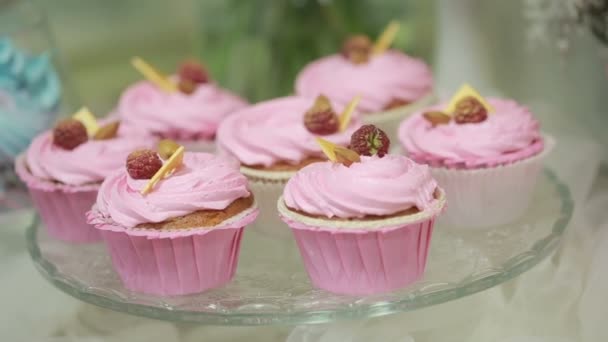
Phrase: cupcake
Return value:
(174, 227)
(391, 83)
(187, 108)
(485, 153)
(274, 139)
(363, 225)
(64, 167)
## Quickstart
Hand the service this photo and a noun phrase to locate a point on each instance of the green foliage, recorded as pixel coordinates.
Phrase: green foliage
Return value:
(256, 47)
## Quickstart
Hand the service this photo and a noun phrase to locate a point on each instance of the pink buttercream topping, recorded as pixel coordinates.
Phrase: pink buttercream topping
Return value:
(274, 131)
(88, 163)
(204, 181)
(374, 186)
(509, 134)
(149, 109)
(391, 75)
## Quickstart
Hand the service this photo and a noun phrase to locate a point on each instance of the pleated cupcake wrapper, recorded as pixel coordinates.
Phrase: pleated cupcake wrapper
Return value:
(484, 198)
(267, 187)
(389, 120)
(101, 222)
(175, 266)
(174, 262)
(61, 207)
(363, 260)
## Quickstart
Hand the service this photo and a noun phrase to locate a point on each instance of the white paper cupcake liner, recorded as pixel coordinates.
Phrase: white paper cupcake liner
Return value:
(484, 198)
(389, 120)
(267, 187)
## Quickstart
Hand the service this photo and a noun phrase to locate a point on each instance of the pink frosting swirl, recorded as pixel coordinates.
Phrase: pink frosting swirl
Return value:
(176, 115)
(375, 186)
(204, 182)
(392, 75)
(507, 135)
(88, 163)
(274, 131)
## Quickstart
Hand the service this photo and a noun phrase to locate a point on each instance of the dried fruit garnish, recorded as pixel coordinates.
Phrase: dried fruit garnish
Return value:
(436, 117)
(193, 71)
(337, 153)
(370, 140)
(357, 48)
(69, 133)
(186, 86)
(108, 131)
(470, 110)
(396, 103)
(166, 148)
(321, 118)
(143, 164)
(346, 156)
(173, 163)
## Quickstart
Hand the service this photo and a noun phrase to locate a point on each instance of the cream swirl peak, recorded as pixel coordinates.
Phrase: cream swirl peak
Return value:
(203, 182)
(384, 78)
(89, 162)
(274, 131)
(508, 134)
(372, 187)
(149, 109)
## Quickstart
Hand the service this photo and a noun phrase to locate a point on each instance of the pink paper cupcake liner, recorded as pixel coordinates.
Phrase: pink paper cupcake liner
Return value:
(177, 266)
(388, 255)
(359, 264)
(174, 262)
(61, 207)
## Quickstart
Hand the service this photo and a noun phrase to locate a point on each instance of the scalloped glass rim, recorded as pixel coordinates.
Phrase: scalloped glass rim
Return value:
(422, 297)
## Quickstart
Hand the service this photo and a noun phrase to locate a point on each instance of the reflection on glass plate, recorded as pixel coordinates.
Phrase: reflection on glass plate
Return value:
(271, 286)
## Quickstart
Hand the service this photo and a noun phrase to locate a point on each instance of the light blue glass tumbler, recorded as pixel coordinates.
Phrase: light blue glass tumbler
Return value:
(30, 88)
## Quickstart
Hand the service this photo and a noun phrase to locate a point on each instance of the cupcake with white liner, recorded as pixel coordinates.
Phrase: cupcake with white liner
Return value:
(187, 107)
(486, 154)
(391, 83)
(64, 167)
(174, 227)
(363, 221)
(274, 139)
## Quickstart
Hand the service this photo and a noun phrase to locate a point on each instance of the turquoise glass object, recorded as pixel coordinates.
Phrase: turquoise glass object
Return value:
(30, 92)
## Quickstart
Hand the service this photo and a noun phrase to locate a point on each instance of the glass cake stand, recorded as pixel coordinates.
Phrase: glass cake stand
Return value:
(271, 286)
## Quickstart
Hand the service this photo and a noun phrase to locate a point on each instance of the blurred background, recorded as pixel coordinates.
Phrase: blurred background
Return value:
(548, 54)
(253, 47)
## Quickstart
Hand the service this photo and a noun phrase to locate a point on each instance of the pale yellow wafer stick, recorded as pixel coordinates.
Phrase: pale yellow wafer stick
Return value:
(348, 112)
(171, 164)
(328, 148)
(386, 38)
(466, 91)
(89, 121)
(337, 153)
(153, 75)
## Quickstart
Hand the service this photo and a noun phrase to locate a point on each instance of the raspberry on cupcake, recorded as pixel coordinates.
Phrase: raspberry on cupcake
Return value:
(391, 83)
(64, 167)
(487, 152)
(189, 214)
(382, 228)
(273, 139)
(187, 106)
